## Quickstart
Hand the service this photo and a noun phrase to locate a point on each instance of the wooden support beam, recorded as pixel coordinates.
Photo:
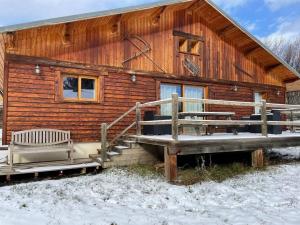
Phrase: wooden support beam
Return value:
(116, 24)
(226, 29)
(252, 50)
(175, 107)
(170, 165)
(83, 171)
(10, 42)
(104, 141)
(290, 80)
(8, 177)
(66, 35)
(258, 158)
(195, 6)
(138, 119)
(264, 118)
(187, 35)
(269, 69)
(157, 14)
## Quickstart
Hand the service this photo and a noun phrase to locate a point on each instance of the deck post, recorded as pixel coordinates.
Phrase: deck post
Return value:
(264, 118)
(138, 119)
(104, 141)
(258, 158)
(170, 165)
(175, 117)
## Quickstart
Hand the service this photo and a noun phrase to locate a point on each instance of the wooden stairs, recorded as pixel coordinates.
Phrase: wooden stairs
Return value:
(125, 153)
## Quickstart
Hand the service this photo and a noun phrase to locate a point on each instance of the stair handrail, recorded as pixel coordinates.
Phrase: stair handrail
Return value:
(121, 117)
(105, 144)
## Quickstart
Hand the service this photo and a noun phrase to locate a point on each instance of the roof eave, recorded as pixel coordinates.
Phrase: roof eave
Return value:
(86, 16)
(262, 45)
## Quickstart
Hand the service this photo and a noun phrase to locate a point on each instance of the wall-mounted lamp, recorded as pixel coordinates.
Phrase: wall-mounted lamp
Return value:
(133, 78)
(37, 69)
(278, 93)
(235, 88)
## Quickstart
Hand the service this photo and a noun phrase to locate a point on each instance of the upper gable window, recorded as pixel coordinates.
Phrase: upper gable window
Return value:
(188, 43)
(189, 46)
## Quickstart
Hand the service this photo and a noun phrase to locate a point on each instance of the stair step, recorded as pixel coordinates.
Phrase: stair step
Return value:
(3, 147)
(120, 148)
(129, 143)
(112, 154)
(96, 158)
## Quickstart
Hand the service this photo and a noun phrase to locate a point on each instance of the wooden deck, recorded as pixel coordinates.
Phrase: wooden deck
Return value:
(44, 167)
(219, 142)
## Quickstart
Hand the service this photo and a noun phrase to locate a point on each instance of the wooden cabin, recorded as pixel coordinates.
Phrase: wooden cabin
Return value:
(76, 73)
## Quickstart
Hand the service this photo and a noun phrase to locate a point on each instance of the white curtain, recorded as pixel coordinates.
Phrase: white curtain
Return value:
(193, 92)
(257, 99)
(166, 91)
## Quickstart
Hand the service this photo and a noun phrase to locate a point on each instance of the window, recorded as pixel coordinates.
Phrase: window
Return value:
(188, 43)
(258, 97)
(166, 91)
(189, 46)
(188, 91)
(193, 92)
(79, 88)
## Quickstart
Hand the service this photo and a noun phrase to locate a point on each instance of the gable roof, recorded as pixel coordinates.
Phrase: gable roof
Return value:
(251, 44)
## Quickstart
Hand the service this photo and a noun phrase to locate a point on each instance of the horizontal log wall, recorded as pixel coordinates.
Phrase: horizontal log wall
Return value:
(2, 53)
(102, 41)
(32, 101)
(244, 94)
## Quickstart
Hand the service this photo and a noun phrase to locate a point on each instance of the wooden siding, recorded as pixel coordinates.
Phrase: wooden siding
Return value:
(102, 41)
(2, 53)
(32, 101)
(295, 86)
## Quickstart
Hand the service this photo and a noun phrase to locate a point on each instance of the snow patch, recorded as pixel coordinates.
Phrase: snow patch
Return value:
(287, 153)
(115, 196)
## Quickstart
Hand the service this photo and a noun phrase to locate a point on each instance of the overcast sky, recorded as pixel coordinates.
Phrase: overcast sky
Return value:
(263, 18)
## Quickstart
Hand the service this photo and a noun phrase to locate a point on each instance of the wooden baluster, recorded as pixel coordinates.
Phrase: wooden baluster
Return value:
(175, 116)
(40, 137)
(264, 119)
(51, 137)
(44, 137)
(104, 142)
(138, 119)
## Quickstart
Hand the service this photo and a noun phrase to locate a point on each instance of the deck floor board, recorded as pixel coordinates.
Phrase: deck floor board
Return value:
(220, 142)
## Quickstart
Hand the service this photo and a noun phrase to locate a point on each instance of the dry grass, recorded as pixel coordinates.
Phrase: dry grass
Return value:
(217, 173)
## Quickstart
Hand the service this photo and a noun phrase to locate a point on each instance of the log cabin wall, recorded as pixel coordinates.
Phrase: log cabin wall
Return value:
(103, 41)
(33, 102)
(2, 53)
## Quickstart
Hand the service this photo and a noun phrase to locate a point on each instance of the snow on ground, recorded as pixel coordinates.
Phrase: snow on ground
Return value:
(115, 196)
(3, 156)
(286, 153)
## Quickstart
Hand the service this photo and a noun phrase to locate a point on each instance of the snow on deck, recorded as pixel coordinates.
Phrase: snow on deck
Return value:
(219, 136)
(114, 196)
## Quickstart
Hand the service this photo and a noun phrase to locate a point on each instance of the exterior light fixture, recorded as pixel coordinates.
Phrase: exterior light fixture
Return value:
(235, 88)
(278, 93)
(133, 78)
(37, 69)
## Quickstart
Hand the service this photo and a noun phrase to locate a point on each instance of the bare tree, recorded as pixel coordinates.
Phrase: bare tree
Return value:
(288, 50)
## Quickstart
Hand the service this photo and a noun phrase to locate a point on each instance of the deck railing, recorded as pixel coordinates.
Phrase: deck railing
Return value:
(175, 122)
